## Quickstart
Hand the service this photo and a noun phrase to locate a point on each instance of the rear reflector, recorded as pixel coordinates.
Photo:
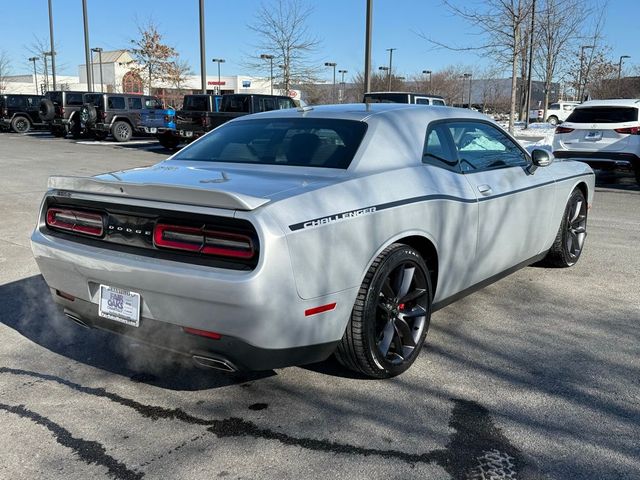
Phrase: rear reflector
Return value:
(320, 309)
(628, 131)
(564, 130)
(203, 241)
(202, 333)
(75, 221)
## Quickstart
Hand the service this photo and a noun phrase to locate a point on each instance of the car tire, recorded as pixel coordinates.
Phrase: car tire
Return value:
(381, 339)
(20, 124)
(569, 242)
(47, 110)
(121, 131)
(553, 120)
(169, 141)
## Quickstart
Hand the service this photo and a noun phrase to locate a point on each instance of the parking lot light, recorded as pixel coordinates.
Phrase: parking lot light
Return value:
(35, 73)
(218, 61)
(333, 88)
(266, 56)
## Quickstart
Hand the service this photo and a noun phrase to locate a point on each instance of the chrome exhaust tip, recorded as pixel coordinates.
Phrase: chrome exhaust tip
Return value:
(76, 320)
(214, 363)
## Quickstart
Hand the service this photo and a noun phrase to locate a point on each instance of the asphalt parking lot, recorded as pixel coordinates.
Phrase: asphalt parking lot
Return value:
(534, 377)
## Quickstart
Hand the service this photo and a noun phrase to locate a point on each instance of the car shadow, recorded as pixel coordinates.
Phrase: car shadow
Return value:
(29, 310)
(616, 180)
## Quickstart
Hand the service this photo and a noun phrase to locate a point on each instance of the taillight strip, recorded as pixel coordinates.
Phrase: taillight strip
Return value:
(75, 221)
(206, 242)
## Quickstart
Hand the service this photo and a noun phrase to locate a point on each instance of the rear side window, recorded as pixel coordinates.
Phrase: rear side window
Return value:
(422, 101)
(285, 103)
(438, 150)
(235, 104)
(13, 101)
(135, 103)
(74, 99)
(554, 106)
(304, 142)
(116, 103)
(604, 115)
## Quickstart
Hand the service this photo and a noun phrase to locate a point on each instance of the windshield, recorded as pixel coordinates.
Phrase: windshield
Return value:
(283, 141)
(604, 115)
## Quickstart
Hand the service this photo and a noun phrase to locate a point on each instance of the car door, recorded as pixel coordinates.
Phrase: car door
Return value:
(514, 205)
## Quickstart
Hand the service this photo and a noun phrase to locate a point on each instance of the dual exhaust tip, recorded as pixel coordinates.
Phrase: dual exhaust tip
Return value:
(207, 362)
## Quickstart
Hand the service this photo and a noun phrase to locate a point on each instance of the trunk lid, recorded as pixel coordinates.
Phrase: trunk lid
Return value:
(195, 183)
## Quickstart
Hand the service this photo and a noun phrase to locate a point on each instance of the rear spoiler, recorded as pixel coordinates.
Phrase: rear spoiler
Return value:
(152, 191)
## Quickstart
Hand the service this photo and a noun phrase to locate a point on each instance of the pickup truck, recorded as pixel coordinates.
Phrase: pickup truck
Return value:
(201, 117)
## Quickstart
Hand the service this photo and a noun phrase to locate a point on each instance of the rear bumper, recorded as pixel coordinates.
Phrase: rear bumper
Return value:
(235, 353)
(261, 317)
(603, 160)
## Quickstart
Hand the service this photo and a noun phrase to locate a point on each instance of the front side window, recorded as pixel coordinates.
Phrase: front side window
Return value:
(422, 101)
(116, 103)
(439, 103)
(481, 146)
(152, 103)
(284, 141)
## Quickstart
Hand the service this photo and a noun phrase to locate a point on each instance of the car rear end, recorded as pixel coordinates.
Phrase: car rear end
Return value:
(606, 135)
(5, 121)
(158, 121)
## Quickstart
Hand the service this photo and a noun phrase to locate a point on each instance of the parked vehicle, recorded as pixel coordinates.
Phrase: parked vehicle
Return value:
(198, 115)
(161, 122)
(193, 106)
(281, 238)
(403, 97)
(60, 109)
(118, 114)
(602, 133)
(20, 113)
(556, 113)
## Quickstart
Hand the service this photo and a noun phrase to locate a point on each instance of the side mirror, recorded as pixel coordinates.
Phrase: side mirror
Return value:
(540, 158)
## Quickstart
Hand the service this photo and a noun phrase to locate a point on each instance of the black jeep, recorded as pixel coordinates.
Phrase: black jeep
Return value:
(117, 114)
(20, 112)
(60, 109)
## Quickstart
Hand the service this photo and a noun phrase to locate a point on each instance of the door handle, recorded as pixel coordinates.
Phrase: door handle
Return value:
(484, 189)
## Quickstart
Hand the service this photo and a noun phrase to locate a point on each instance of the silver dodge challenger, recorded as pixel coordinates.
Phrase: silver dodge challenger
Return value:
(285, 237)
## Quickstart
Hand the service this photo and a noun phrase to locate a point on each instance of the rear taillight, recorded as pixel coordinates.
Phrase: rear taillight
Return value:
(168, 118)
(628, 130)
(75, 221)
(62, 111)
(201, 240)
(103, 115)
(564, 130)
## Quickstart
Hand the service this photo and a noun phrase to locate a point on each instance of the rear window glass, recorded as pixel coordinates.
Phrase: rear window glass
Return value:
(74, 99)
(604, 115)
(93, 98)
(196, 104)
(283, 141)
(386, 98)
(55, 97)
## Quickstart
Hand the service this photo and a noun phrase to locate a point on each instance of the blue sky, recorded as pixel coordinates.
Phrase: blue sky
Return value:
(338, 23)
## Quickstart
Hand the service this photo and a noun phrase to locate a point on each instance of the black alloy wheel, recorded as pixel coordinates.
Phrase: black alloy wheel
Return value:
(569, 242)
(391, 315)
(121, 131)
(20, 124)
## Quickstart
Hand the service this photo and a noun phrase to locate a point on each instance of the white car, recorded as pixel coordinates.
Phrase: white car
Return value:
(283, 237)
(602, 133)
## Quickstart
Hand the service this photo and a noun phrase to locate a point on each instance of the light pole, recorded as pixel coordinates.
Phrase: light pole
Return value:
(622, 57)
(266, 56)
(530, 72)
(462, 77)
(333, 88)
(35, 74)
(99, 50)
(342, 72)
(46, 68)
(582, 47)
(390, 50)
(428, 72)
(367, 47)
(469, 75)
(218, 61)
(86, 47)
(203, 55)
(383, 69)
(51, 46)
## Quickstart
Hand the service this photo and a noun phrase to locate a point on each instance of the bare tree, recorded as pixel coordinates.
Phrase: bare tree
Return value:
(5, 70)
(500, 24)
(150, 54)
(176, 74)
(282, 28)
(558, 29)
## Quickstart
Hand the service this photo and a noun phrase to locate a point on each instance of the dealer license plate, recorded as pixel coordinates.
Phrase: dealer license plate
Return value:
(120, 305)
